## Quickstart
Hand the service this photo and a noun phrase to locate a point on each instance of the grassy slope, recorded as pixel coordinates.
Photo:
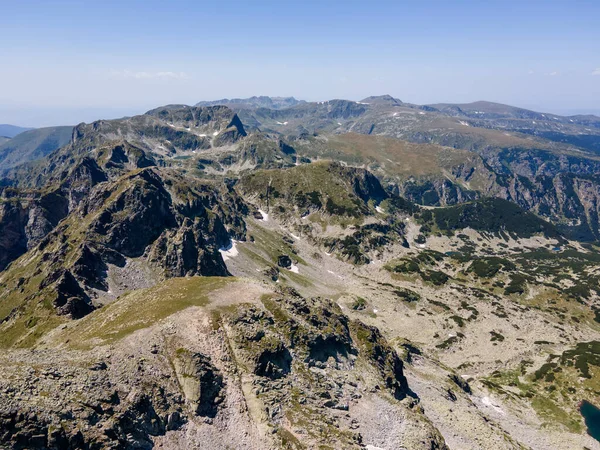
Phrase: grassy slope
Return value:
(125, 316)
(32, 145)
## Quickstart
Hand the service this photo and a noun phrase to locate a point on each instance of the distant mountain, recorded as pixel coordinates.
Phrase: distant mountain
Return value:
(4, 139)
(255, 102)
(31, 145)
(382, 100)
(11, 131)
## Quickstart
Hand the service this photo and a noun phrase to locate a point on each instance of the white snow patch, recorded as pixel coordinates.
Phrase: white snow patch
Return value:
(379, 209)
(328, 254)
(533, 122)
(372, 447)
(422, 245)
(294, 236)
(230, 251)
(332, 273)
(294, 268)
(570, 120)
(264, 215)
(193, 151)
(422, 113)
(282, 123)
(375, 311)
(215, 133)
(464, 123)
(489, 402)
(362, 103)
(202, 135)
(395, 114)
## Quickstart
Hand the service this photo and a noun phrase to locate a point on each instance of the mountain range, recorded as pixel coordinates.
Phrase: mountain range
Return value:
(269, 273)
(10, 131)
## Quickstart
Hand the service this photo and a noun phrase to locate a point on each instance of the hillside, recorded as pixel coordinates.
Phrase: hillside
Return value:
(32, 145)
(11, 131)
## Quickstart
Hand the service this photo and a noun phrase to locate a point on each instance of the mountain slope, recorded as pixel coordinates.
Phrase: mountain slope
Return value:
(11, 130)
(32, 145)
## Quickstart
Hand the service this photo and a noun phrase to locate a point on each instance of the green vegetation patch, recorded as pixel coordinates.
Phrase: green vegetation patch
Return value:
(489, 215)
(141, 309)
(489, 266)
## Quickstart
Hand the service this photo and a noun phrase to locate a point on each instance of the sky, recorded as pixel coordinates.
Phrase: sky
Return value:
(64, 62)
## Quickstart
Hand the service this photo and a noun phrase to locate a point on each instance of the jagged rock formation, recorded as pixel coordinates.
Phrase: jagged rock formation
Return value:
(141, 228)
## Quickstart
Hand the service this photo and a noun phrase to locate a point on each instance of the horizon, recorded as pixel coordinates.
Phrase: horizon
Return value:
(94, 115)
(72, 62)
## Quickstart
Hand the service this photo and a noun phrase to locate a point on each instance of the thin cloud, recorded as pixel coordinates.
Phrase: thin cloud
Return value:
(167, 75)
(596, 72)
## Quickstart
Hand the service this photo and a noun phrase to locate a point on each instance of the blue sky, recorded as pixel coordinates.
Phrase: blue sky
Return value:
(67, 61)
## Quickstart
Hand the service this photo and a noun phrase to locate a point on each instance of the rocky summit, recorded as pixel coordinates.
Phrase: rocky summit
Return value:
(270, 273)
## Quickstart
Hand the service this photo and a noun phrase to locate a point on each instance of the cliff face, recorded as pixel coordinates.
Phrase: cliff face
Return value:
(25, 220)
(562, 189)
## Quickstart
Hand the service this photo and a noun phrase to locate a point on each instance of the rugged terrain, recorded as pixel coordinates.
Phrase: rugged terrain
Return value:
(340, 274)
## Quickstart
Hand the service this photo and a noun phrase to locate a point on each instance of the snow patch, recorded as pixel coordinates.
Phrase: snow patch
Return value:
(230, 251)
(464, 123)
(202, 135)
(215, 133)
(294, 268)
(422, 113)
(489, 402)
(294, 236)
(264, 215)
(379, 209)
(282, 123)
(372, 447)
(375, 311)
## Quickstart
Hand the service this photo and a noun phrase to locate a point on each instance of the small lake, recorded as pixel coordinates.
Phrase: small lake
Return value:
(591, 415)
